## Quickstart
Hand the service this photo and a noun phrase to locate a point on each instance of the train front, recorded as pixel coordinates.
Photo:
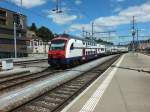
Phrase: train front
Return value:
(57, 51)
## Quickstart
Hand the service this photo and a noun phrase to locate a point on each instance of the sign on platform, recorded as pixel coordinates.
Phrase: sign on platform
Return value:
(7, 64)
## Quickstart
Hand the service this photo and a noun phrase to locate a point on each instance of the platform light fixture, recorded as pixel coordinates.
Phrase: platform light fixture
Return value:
(57, 9)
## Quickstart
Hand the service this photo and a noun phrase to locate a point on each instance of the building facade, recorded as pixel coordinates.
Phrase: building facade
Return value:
(144, 46)
(36, 45)
(7, 20)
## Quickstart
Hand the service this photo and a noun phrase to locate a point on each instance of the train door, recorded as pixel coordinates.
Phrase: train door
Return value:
(83, 54)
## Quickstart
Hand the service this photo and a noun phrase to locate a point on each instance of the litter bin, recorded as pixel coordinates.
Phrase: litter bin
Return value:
(7, 64)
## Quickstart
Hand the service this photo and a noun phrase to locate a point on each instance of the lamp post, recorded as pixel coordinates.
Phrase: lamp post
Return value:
(15, 45)
(58, 7)
(92, 30)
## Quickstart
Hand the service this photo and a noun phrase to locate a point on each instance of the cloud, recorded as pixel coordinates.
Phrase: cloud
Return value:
(117, 0)
(62, 18)
(29, 3)
(140, 12)
(120, 0)
(118, 9)
(78, 2)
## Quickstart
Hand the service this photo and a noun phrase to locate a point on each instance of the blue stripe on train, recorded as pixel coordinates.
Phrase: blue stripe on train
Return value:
(69, 60)
(63, 61)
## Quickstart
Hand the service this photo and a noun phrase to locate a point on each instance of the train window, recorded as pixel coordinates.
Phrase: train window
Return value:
(72, 46)
(31, 43)
(58, 45)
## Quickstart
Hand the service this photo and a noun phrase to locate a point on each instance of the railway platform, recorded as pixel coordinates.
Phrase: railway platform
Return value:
(124, 87)
(25, 59)
(24, 65)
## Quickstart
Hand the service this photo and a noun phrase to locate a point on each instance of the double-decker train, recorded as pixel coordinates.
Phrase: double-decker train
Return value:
(68, 50)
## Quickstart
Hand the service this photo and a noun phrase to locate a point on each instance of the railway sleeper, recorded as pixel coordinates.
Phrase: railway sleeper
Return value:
(47, 98)
(67, 89)
(71, 86)
(32, 108)
(62, 96)
(45, 104)
(64, 92)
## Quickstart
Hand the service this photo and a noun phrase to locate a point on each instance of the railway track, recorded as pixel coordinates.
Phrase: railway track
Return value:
(18, 80)
(147, 54)
(56, 99)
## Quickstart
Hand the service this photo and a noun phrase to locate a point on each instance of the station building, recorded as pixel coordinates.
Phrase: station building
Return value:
(7, 19)
(144, 45)
(36, 46)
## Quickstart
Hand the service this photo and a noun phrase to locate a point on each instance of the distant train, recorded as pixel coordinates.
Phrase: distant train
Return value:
(69, 50)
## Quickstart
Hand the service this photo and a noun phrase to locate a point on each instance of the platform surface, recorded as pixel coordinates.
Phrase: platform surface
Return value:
(124, 87)
(24, 59)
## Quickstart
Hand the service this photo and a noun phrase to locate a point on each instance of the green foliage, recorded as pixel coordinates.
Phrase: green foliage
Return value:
(45, 33)
(33, 27)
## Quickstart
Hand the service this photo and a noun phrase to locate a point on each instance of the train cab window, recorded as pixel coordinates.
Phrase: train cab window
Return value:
(72, 46)
(58, 44)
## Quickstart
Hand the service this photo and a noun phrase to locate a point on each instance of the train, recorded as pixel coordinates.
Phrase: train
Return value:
(70, 50)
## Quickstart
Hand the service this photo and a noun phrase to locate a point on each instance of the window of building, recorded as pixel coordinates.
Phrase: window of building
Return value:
(35, 43)
(86, 53)
(16, 18)
(102, 49)
(2, 22)
(2, 13)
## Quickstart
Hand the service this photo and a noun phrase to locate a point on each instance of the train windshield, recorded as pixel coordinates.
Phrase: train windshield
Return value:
(58, 45)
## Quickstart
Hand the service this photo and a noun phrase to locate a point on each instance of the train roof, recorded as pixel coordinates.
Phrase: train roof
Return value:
(74, 37)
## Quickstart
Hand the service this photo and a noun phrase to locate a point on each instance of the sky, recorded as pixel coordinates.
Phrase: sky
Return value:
(107, 15)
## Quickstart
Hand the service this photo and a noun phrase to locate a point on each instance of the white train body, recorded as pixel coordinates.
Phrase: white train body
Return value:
(66, 49)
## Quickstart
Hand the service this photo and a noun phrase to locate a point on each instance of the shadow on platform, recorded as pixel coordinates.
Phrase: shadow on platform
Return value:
(139, 70)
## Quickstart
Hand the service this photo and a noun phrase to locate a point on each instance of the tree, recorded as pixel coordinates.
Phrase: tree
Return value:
(45, 33)
(33, 27)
